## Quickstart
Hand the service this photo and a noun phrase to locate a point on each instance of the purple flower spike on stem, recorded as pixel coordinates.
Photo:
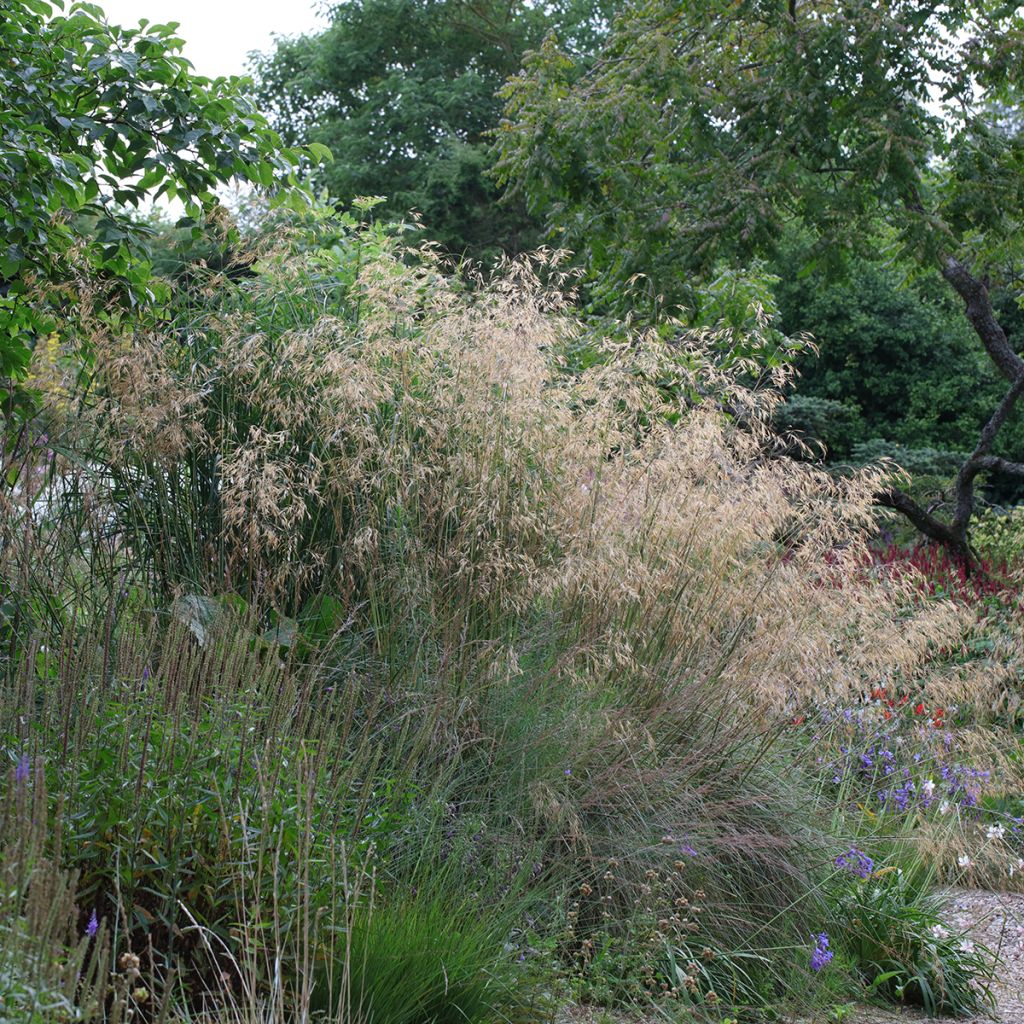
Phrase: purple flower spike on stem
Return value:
(857, 863)
(22, 770)
(93, 926)
(822, 954)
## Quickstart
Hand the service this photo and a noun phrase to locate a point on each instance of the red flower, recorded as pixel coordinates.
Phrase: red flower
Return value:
(919, 709)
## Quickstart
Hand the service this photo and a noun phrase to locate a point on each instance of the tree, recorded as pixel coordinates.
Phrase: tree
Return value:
(95, 120)
(703, 129)
(403, 93)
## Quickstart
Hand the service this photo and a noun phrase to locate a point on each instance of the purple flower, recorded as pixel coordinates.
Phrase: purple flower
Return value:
(22, 769)
(568, 771)
(93, 926)
(855, 862)
(688, 850)
(146, 673)
(822, 954)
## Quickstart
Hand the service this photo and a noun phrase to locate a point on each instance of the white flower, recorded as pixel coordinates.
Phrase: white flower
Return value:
(939, 932)
(944, 807)
(928, 787)
(964, 861)
(995, 832)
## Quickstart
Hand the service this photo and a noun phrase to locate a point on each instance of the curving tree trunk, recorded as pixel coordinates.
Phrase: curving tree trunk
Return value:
(954, 534)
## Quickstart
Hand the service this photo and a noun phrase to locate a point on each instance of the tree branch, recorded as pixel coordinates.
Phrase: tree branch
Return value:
(921, 518)
(979, 311)
(981, 461)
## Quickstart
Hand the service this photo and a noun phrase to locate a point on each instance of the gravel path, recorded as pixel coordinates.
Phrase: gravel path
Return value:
(997, 920)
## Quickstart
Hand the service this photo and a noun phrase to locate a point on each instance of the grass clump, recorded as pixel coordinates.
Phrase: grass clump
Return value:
(895, 934)
(425, 956)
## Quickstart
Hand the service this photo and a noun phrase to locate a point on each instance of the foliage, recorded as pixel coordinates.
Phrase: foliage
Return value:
(931, 474)
(96, 119)
(700, 129)
(403, 94)
(49, 970)
(921, 462)
(896, 937)
(833, 425)
(663, 949)
(999, 536)
(992, 586)
(213, 831)
(411, 585)
(390, 643)
(426, 956)
(899, 359)
(700, 132)
(895, 351)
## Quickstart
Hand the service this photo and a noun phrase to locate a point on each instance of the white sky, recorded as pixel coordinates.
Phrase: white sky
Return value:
(219, 34)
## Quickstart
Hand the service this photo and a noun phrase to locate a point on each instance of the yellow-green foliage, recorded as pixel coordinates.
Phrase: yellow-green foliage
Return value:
(999, 536)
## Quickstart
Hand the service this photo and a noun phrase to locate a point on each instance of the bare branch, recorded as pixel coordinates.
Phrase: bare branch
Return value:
(921, 518)
(994, 464)
(979, 311)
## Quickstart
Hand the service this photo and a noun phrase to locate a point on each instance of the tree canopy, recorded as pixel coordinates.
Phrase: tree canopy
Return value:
(403, 92)
(701, 130)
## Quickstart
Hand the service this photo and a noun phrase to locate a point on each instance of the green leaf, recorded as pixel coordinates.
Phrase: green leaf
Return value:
(320, 152)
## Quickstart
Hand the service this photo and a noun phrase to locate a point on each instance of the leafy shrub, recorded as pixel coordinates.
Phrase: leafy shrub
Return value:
(928, 462)
(890, 344)
(832, 424)
(999, 536)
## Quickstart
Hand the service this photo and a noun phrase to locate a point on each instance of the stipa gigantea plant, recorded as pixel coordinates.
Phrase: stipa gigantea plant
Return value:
(592, 580)
(424, 441)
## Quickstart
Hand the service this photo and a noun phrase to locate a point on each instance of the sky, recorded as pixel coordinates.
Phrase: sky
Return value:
(219, 34)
